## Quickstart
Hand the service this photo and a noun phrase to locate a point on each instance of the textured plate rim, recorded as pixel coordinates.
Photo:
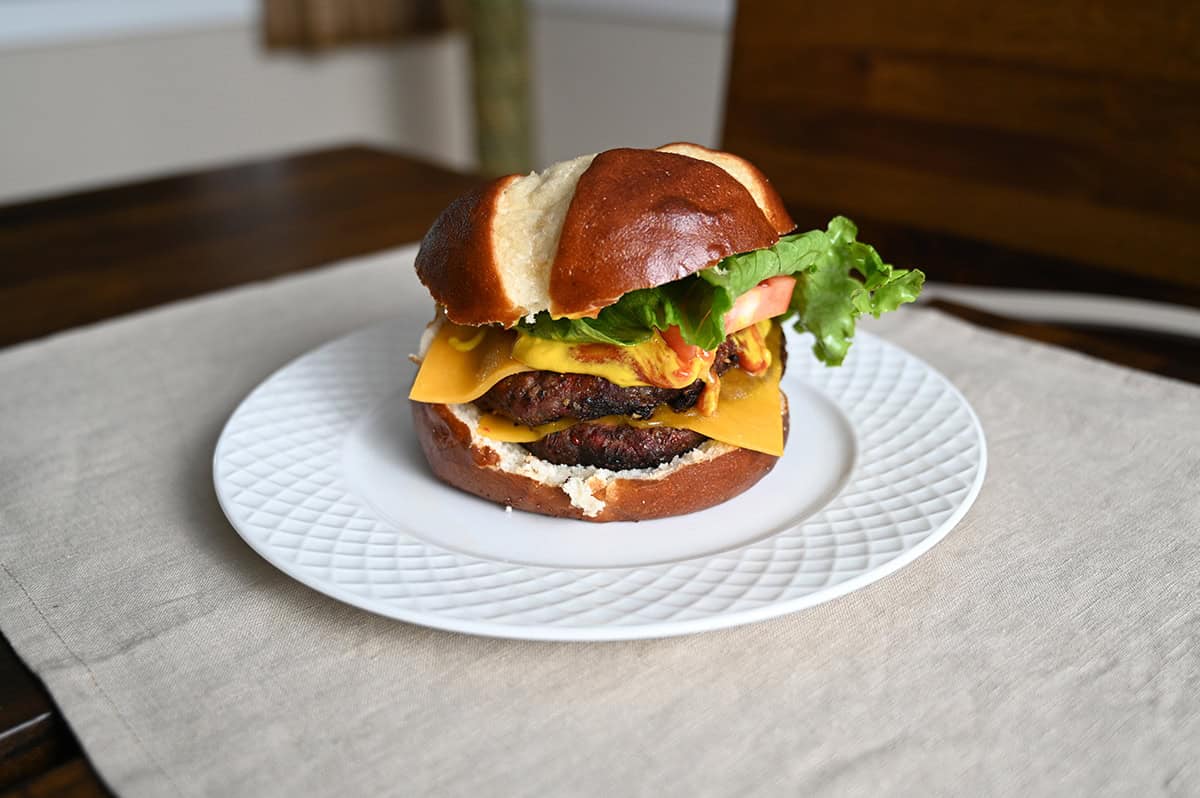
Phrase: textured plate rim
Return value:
(611, 632)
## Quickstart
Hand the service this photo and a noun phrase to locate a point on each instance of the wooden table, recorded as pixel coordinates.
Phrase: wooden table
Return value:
(82, 258)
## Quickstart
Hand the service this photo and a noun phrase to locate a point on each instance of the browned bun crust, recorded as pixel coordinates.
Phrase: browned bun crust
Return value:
(457, 263)
(764, 193)
(578, 236)
(455, 459)
(642, 218)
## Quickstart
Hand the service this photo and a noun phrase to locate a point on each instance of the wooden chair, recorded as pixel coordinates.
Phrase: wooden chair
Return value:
(1033, 144)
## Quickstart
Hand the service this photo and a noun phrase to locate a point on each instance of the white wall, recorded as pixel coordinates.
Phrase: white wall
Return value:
(99, 112)
(102, 107)
(603, 83)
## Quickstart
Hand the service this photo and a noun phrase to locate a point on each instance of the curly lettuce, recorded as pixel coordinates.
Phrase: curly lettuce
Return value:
(838, 278)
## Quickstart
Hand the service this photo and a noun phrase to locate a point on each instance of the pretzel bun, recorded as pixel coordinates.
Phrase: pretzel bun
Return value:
(506, 473)
(576, 237)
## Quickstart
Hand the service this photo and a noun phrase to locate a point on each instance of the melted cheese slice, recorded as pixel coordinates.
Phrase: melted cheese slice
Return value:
(653, 362)
(463, 363)
(461, 366)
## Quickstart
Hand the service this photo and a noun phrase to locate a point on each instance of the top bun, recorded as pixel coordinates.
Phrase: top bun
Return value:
(578, 236)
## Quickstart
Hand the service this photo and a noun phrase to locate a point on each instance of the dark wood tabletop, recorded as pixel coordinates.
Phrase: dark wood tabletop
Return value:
(82, 258)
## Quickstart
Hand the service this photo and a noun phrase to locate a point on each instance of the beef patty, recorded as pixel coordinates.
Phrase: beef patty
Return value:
(615, 446)
(539, 397)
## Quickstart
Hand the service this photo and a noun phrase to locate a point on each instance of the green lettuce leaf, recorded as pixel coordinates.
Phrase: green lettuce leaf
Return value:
(828, 299)
(630, 321)
(837, 279)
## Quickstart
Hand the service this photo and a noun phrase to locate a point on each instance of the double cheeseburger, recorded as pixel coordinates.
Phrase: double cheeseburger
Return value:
(608, 341)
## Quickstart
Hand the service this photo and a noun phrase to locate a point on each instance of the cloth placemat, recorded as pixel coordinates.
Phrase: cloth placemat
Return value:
(1049, 645)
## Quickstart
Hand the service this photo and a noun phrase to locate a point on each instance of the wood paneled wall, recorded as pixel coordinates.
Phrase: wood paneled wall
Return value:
(1070, 129)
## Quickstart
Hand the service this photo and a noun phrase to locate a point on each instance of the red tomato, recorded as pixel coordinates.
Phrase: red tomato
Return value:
(764, 301)
(687, 352)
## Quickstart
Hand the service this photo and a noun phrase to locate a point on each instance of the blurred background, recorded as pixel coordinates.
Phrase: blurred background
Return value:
(101, 91)
(1026, 144)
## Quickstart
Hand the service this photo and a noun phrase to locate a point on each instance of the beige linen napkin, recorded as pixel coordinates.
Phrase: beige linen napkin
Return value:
(1049, 645)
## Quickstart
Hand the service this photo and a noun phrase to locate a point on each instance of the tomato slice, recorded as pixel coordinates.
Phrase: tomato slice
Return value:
(769, 298)
(687, 352)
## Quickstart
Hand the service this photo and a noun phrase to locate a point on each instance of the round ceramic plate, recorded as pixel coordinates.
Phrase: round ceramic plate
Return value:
(320, 472)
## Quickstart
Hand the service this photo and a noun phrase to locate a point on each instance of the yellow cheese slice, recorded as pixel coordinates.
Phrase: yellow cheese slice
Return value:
(748, 413)
(463, 363)
(621, 365)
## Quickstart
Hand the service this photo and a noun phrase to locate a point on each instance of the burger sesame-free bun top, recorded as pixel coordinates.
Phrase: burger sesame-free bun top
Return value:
(576, 237)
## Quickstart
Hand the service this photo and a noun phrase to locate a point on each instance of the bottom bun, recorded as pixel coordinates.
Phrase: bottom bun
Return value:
(508, 474)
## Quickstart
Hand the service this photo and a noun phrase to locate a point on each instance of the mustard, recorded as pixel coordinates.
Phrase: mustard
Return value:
(470, 343)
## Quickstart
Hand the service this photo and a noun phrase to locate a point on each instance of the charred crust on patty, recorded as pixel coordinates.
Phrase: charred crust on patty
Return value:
(533, 398)
(615, 446)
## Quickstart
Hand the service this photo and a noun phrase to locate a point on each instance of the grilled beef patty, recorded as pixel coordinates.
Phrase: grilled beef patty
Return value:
(615, 446)
(539, 397)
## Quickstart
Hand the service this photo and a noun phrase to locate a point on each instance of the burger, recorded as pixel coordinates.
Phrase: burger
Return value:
(608, 343)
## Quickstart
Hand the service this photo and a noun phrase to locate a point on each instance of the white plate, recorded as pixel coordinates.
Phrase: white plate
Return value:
(320, 472)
